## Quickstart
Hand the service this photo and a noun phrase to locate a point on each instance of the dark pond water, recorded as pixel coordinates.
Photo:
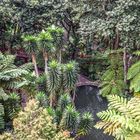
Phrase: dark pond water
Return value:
(87, 99)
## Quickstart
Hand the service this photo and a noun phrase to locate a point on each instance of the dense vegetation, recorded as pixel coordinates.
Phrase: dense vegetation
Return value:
(45, 45)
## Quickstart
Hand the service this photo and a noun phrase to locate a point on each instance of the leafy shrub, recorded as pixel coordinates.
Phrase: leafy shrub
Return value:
(113, 78)
(34, 123)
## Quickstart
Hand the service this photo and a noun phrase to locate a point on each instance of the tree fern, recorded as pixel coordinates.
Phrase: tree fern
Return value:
(122, 117)
(113, 79)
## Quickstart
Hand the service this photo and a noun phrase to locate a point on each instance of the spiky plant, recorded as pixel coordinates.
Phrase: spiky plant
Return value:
(30, 45)
(3, 98)
(57, 35)
(70, 75)
(45, 45)
(64, 101)
(53, 79)
(121, 119)
(42, 98)
(134, 75)
(113, 79)
(86, 123)
(2, 123)
(70, 118)
(12, 106)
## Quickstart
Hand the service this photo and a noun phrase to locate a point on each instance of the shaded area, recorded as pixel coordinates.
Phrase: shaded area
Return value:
(87, 99)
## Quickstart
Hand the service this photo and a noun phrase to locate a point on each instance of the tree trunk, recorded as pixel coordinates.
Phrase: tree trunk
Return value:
(74, 95)
(125, 66)
(45, 54)
(35, 65)
(60, 56)
(117, 39)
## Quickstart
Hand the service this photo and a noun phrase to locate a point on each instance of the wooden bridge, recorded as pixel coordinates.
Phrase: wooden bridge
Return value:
(84, 81)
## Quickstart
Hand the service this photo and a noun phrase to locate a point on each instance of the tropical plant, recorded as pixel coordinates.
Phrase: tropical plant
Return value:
(64, 101)
(2, 123)
(70, 75)
(53, 80)
(3, 97)
(12, 106)
(57, 35)
(70, 119)
(42, 99)
(35, 123)
(121, 119)
(10, 74)
(134, 75)
(112, 79)
(31, 48)
(45, 45)
(86, 124)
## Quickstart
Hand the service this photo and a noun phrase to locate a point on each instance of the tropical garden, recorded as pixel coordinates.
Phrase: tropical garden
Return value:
(46, 45)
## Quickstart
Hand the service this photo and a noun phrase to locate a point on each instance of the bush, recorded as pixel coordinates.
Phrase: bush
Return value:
(35, 123)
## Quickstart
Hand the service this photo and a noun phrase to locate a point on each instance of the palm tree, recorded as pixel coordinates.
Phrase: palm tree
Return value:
(31, 48)
(45, 44)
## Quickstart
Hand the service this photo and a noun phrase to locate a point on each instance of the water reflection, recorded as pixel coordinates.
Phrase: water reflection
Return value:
(88, 99)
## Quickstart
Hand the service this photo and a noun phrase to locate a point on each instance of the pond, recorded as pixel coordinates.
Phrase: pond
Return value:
(87, 99)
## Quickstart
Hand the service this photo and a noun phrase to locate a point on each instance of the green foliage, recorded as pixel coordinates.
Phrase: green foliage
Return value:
(64, 101)
(61, 78)
(53, 77)
(134, 77)
(12, 106)
(70, 75)
(10, 74)
(42, 99)
(121, 119)
(2, 123)
(70, 118)
(45, 41)
(112, 79)
(31, 43)
(86, 123)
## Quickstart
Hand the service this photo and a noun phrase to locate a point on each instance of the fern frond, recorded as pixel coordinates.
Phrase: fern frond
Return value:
(122, 119)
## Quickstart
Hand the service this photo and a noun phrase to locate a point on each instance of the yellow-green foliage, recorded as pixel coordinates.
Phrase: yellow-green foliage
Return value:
(122, 119)
(34, 123)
